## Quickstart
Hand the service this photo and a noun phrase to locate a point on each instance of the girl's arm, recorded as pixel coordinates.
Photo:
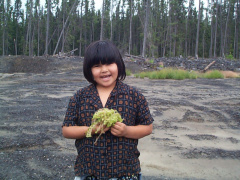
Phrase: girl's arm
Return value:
(74, 132)
(133, 132)
(77, 132)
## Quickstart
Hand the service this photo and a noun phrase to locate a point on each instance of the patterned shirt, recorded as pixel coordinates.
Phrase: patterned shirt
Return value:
(112, 156)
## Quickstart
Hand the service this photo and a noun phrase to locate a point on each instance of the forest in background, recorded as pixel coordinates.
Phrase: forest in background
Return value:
(150, 28)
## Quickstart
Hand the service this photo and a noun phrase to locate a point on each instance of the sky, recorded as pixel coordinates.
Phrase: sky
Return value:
(98, 3)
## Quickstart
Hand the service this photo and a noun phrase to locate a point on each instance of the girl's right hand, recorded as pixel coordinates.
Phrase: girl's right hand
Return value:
(98, 128)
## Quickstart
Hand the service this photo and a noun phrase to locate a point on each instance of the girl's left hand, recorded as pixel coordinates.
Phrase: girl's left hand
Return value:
(119, 129)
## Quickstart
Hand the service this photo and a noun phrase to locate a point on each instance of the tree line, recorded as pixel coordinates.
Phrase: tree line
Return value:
(150, 28)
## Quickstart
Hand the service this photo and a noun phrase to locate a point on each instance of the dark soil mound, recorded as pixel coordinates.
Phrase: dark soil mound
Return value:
(26, 64)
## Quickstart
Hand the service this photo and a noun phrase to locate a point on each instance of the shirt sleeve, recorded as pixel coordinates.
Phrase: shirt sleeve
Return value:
(72, 112)
(143, 116)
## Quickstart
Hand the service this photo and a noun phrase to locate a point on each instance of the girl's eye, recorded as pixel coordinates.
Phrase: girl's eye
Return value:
(96, 65)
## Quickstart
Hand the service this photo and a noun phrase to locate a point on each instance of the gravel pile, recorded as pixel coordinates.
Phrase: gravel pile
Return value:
(199, 64)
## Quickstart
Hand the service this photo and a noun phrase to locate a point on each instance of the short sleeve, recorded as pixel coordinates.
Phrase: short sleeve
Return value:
(143, 115)
(72, 112)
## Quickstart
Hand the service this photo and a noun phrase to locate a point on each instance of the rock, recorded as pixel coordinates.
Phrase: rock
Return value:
(199, 64)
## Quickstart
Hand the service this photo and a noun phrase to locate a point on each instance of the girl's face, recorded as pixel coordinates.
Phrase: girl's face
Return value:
(105, 75)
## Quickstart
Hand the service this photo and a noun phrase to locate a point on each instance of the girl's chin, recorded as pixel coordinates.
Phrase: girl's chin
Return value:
(107, 83)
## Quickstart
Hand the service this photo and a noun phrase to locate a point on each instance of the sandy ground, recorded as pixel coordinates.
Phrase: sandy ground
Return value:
(196, 129)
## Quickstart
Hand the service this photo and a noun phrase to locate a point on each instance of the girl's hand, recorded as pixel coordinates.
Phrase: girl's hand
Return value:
(105, 129)
(119, 129)
(133, 132)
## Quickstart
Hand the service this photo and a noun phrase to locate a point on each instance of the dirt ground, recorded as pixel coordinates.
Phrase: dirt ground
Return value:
(196, 129)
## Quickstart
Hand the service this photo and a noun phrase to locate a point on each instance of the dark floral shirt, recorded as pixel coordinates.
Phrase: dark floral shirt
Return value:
(111, 156)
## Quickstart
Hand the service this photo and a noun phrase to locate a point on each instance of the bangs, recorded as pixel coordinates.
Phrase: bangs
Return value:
(102, 54)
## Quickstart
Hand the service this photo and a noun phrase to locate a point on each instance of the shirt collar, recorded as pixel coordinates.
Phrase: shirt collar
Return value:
(119, 88)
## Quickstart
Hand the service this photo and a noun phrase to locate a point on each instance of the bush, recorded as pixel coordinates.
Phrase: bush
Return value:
(128, 72)
(213, 75)
(230, 56)
(168, 73)
(141, 75)
(151, 61)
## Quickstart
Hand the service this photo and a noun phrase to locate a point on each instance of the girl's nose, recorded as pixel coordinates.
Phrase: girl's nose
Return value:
(104, 68)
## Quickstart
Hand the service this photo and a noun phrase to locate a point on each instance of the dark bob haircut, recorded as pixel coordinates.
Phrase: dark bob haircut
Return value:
(102, 52)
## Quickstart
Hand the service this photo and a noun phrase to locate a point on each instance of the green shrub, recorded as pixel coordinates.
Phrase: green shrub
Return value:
(161, 75)
(153, 75)
(141, 75)
(193, 75)
(160, 65)
(151, 61)
(128, 72)
(177, 74)
(230, 56)
(213, 75)
(168, 73)
(181, 74)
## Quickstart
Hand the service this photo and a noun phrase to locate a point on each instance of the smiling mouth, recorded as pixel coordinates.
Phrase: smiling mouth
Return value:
(107, 76)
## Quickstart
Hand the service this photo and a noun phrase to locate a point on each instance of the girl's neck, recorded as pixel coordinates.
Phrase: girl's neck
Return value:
(104, 93)
(106, 89)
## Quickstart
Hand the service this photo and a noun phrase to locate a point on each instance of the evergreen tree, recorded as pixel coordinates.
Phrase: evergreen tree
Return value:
(162, 28)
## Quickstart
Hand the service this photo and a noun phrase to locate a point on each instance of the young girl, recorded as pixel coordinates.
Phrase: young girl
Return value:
(115, 155)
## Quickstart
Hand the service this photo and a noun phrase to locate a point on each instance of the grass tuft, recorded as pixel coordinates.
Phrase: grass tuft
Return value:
(168, 73)
(213, 75)
(128, 72)
(178, 74)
